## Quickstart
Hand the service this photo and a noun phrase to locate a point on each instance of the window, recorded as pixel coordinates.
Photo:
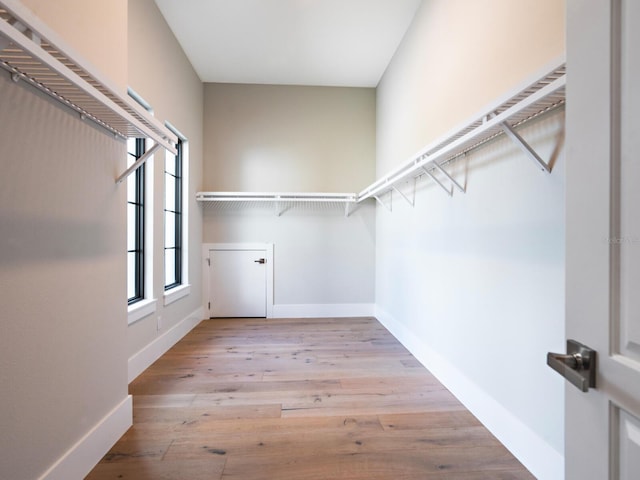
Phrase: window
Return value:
(135, 223)
(173, 221)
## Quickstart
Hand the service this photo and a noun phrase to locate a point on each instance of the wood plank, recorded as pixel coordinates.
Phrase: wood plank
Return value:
(161, 416)
(429, 420)
(209, 468)
(205, 384)
(429, 463)
(338, 440)
(299, 399)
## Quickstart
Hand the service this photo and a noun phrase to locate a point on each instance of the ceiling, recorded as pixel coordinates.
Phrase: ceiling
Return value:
(290, 42)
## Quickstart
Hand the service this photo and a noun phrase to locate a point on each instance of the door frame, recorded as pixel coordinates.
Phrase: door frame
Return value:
(267, 247)
(594, 422)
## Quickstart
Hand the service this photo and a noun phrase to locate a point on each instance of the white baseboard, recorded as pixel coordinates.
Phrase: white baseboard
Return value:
(141, 360)
(324, 310)
(87, 452)
(542, 460)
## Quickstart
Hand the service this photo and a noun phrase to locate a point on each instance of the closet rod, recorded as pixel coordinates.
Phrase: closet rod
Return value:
(31, 51)
(537, 97)
(275, 197)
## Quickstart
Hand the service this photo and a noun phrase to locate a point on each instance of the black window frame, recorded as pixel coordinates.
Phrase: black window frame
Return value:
(139, 203)
(178, 212)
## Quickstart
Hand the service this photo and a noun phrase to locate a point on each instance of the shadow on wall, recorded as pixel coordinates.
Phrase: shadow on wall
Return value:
(32, 239)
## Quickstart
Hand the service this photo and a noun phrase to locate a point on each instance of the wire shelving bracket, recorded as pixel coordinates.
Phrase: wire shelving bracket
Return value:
(544, 93)
(282, 201)
(33, 53)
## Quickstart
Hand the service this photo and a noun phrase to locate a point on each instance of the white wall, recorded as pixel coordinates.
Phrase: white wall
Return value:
(295, 139)
(160, 72)
(63, 361)
(319, 257)
(474, 284)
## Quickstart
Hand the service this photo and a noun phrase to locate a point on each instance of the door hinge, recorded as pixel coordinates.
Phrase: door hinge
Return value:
(209, 307)
(208, 261)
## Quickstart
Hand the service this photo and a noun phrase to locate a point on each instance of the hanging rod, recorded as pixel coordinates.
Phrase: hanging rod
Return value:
(543, 94)
(32, 52)
(275, 197)
(281, 199)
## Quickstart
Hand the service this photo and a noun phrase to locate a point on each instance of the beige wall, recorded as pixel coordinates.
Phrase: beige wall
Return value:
(160, 72)
(297, 139)
(63, 361)
(475, 280)
(94, 29)
(458, 57)
(283, 138)
(65, 343)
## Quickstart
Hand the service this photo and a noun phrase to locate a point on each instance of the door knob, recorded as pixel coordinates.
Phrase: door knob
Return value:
(578, 365)
(260, 260)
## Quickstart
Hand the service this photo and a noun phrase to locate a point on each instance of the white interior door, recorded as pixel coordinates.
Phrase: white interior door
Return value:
(237, 283)
(602, 435)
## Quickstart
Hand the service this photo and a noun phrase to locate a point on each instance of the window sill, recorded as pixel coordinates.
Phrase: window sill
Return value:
(176, 293)
(141, 309)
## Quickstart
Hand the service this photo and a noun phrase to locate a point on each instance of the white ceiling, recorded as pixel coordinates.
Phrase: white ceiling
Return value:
(290, 42)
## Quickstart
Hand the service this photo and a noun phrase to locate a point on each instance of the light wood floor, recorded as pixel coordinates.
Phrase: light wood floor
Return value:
(321, 399)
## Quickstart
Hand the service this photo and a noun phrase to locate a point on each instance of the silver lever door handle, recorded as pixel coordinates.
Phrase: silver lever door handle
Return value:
(578, 365)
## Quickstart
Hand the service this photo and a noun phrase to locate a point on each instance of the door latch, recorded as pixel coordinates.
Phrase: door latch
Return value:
(260, 260)
(578, 365)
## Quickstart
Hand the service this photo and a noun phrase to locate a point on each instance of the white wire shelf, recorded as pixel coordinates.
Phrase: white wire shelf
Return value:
(283, 201)
(35, 54)
(536, 97)
(545, 93)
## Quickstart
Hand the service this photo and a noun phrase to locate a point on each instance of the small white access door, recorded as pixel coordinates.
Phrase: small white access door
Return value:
(602, 430)
(237, 283)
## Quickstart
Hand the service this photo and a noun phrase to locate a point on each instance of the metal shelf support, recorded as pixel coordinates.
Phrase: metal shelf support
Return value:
(145, 156)
(539, 94)
(279, 210)
(451, 179)
(377, 198)
(410, 201)
(525, 147)
(30, 51)
(282, 201)
(449, 191)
